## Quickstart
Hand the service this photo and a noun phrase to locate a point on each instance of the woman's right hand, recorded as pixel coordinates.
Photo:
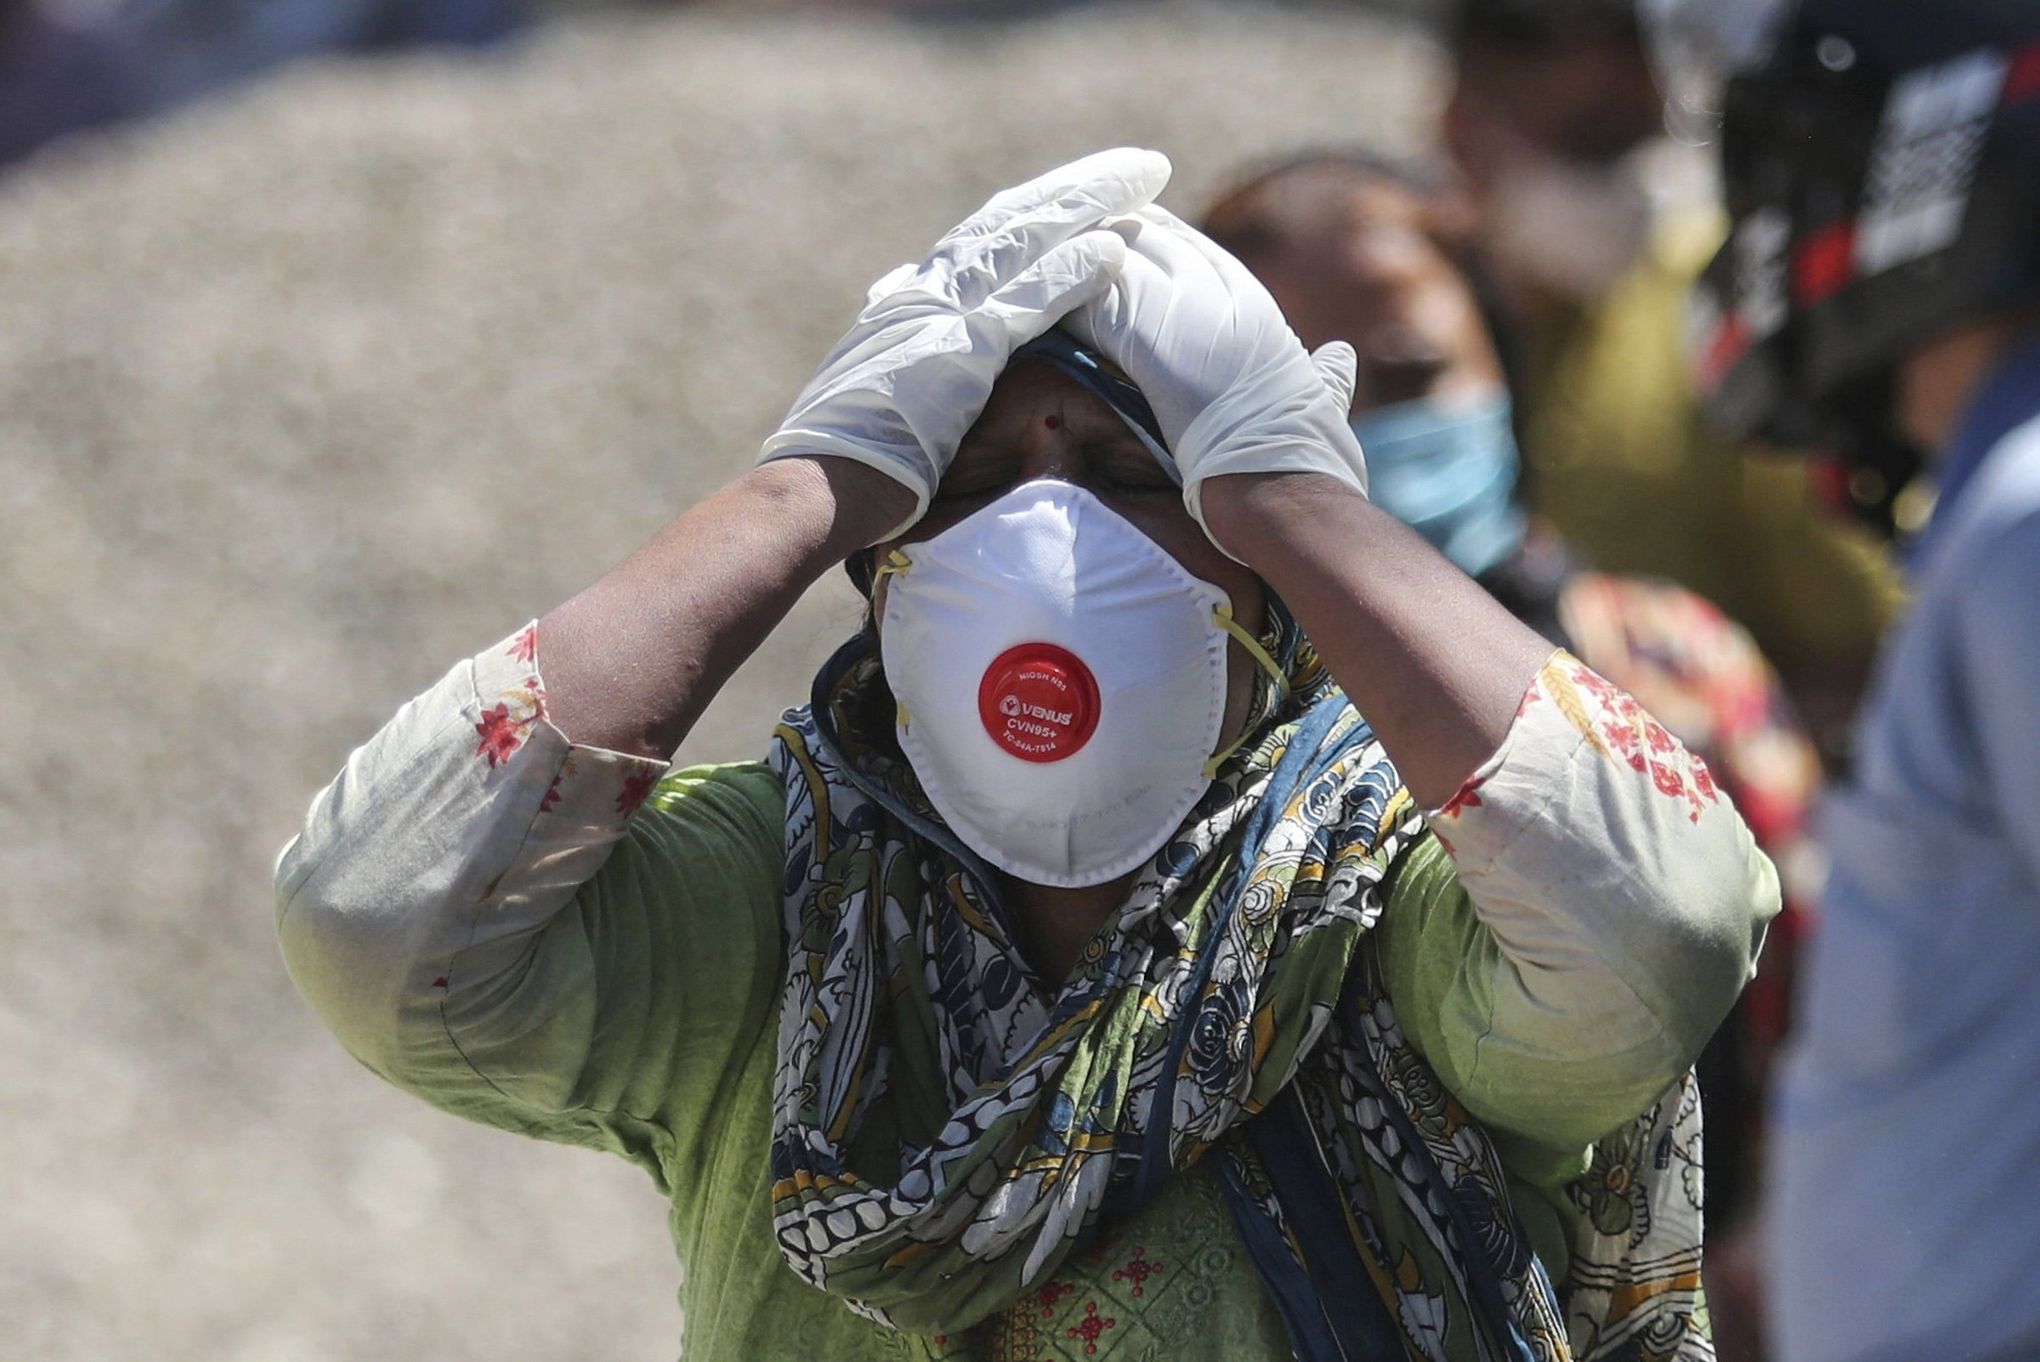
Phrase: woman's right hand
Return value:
(914, 371)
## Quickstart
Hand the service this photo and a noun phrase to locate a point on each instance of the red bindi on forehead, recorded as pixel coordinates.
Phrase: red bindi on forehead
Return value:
(1052, 421)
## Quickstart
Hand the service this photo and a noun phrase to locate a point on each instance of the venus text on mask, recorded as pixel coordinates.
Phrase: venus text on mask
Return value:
(1013, 707)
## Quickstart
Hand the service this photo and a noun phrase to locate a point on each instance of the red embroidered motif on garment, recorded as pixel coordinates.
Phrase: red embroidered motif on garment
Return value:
(525, 646)
(1049, 1293)
(1465, 799)
(1589, 679)
(1090, 1326)
(1666, 779)
(1138, 1271)
(501, 734)
(635, 789)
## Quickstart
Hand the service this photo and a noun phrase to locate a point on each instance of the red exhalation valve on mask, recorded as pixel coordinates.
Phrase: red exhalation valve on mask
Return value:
(1039, 702)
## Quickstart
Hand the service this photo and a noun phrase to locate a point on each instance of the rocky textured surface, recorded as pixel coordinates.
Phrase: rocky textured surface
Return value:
(322, 384)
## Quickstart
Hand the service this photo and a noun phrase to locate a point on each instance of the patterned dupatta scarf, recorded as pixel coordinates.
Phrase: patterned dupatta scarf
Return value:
(945, 1133)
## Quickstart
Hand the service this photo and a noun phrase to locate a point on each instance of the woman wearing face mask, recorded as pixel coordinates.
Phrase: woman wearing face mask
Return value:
(1077, 975)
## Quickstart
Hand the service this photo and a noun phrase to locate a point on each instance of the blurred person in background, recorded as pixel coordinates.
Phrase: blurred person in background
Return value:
(60, 72)
(195, 47)
(71, 67)
(1363, 248)
(1880, 289)
(1076, 977)
(1593, 225)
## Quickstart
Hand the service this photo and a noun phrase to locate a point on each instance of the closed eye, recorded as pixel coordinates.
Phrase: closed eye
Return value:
(1127, 465)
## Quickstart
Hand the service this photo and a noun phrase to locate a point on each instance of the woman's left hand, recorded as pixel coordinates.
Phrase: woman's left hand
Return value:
(1233, 388)
(1432, 661)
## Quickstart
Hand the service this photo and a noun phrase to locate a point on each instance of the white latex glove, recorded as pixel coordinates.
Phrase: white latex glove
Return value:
(1231, 385)
(911, 376)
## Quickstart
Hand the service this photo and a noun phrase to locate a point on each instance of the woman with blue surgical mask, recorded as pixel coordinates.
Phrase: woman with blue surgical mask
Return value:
(1188, 919)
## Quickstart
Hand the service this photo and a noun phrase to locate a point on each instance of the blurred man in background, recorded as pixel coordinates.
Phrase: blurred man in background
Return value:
(1594, 226)
(1365, 249)
(1881, 287)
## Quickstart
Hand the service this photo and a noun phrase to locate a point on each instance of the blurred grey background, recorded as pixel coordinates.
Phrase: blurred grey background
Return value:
(338, 374)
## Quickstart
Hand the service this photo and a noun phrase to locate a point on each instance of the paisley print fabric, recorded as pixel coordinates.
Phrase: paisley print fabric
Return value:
(948, 1129)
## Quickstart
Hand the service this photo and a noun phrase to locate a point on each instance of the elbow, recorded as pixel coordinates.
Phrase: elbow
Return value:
(1711, 929)
(1588, 1028)
(354, 956)
(324, 960)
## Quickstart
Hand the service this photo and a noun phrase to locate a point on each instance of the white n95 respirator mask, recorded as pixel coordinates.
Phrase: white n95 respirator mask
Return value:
(1061, 682)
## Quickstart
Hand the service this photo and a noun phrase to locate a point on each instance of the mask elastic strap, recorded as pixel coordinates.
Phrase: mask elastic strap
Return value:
(1222, 616)
(896, 564)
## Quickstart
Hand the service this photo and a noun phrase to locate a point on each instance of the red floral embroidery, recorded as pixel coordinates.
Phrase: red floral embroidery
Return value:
(1621, 734)
(1049, 1293)
(1138, 1271)
(552, 794)
(502, 734)
(1612, 720)
(1090, 1326)
(635, 789)
(525, 646)
(1666, 779)
(505, 727)
(1467, 798)
(1591, 680)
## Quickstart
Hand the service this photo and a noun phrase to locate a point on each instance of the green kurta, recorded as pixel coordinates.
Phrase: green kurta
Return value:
(576, 945)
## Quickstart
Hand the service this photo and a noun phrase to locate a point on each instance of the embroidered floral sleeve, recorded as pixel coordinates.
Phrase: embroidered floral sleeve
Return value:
(1623, 902)
(448, 840)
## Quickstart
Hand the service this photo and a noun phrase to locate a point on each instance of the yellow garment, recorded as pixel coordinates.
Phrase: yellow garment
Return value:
(1621, 461)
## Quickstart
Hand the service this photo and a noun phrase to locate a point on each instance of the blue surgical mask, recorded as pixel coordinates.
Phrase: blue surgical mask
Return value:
(1449, 472)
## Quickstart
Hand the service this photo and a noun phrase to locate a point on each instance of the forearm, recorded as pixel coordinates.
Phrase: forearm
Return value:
(631, 662)
(1433, 662)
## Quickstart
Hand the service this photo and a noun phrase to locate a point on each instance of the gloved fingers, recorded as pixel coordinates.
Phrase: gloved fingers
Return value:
(889, 283)
(992, 247)
(1065, 278)
(1019, 226)
(1174, 230)
(1175, 241)
(1084, 191)
(1171, 243)
(1160, 332)
(1339, 367)
(1107, 324)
